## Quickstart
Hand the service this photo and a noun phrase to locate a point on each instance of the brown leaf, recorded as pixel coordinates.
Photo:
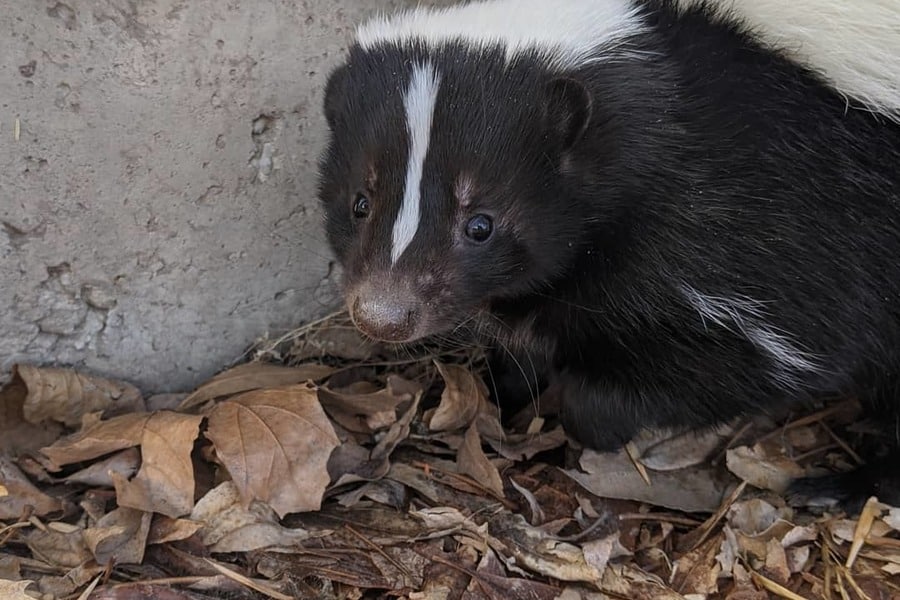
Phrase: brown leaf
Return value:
(608, 475)
(120, 536)
(275, 445)
(683, 450)
(491, 583)
(627, 581)
(150, 591)
(766, 472)
(399, 431)
(464, 396)
(60, 547)
(64, 395)
(99, 474)
(600, 551)
(519, 447)
(165, 482)
(777, 563)
(67, 584)
(99, 439)
(229, 527)
(472, 461)
(368, 412)
(19, 496)
(697, 571)
(10, 567)
(350, 462)
(389, 568)
(165, 529)
(521, 544)
(254, 376)
(18, 436)
(14, 590)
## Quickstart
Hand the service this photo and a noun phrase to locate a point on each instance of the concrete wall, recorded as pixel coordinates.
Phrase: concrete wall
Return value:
(157, 209)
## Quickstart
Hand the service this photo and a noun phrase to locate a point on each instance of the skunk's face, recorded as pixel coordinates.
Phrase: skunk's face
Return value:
(441, 185)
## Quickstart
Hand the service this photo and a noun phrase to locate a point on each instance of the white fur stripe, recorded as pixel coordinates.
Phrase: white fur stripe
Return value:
(745, 316)
(853, 44)
(419, 102)
(566, 32)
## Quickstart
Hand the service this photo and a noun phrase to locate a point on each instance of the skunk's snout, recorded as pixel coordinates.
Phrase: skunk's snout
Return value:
(384, 312)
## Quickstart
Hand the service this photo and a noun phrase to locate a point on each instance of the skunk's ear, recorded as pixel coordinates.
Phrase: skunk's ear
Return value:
(568, 107)
(335, 94)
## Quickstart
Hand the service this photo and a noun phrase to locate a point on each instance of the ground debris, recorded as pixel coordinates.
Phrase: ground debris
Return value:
(329, 467)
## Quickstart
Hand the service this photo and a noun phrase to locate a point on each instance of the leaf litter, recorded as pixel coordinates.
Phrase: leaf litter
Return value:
(331, 467)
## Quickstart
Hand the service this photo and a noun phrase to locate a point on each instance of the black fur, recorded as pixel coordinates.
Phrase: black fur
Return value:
(709, 164)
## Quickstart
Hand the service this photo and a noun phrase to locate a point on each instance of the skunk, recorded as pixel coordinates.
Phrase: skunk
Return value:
(677, 212)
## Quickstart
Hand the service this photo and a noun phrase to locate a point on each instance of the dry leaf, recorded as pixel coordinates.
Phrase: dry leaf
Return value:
(870, 512)
(65, 396)
(681, 451)
(491, 583)
(599, 552)
(18, 496)
(120, 536)
(384, 491)
(399, 431)
(697, 571)
(14, 590)
(350, 462)
(229, 527)
(609, 475)
(390, 567)
(799, 534)
(472, 461)
(10, 567)
(253, 376)
(755, 523)
(797, 558)
(275, 444)
(519, 544)
(18, 436)
(64, 548)
(98, 440)
(766, 472)
(756, 516)
(844, 530)
(124, 463)
(626, 581)
(165, 529)
(66, 585)
(165, 481)
(524, 446)
(368, 412)
(464, 396)
(892, 518)
(777, 562)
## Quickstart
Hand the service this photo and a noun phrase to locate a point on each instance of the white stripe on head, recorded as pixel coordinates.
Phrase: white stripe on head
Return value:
(567, 33)
(419, 102)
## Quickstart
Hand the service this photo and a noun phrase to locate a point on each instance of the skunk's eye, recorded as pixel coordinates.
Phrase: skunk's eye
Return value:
(479, 228)
(361, 207)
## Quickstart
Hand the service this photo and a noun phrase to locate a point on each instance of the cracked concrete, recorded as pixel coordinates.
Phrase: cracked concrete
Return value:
(157, 162)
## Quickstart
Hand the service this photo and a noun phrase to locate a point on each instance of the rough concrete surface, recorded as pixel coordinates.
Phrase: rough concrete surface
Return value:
(157, 209)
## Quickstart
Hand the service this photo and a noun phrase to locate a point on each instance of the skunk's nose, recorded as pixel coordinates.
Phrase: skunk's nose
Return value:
(384, 316)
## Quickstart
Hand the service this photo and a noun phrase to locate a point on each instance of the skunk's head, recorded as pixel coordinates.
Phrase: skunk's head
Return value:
(444, 183)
